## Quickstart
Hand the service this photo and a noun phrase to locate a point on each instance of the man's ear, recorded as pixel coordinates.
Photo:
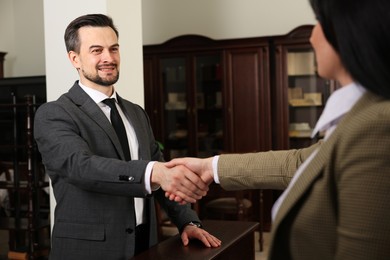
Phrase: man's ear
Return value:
(74, 59)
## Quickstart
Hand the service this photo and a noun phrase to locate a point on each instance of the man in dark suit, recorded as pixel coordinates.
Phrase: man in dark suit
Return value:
(105, 200)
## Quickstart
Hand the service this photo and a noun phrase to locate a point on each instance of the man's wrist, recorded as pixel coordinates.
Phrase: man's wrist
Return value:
(195, 224)
(149, 186)
(155, 174)
(192, 223)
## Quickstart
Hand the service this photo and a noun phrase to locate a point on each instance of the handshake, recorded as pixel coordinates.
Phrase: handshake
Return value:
(184, 180)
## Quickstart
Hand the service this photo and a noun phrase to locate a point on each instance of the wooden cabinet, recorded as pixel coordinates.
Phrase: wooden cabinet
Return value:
(207, 97)
(247, 92)
(24, 204)
(300, 94)
(191, 105)
(13, 117)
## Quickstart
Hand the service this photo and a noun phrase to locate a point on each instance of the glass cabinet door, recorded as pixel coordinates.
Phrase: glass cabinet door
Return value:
(208, 96)
(175, 107)
(192, 89)
(307, 94)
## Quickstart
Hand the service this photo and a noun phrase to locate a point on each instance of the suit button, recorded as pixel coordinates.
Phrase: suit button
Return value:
(125, 178)
(129, 230)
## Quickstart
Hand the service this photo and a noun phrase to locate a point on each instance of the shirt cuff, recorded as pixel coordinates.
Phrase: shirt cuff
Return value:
(215, 169)
(148, 173)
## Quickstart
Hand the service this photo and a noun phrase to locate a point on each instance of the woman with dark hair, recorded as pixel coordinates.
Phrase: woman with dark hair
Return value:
(359, 33)
(336, 200)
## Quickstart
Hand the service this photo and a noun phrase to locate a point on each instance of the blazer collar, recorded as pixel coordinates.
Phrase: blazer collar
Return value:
(314, 168)
(86, 104)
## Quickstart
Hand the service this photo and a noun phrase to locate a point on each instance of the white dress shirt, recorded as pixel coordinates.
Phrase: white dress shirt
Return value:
(98, 97)
(337, 106)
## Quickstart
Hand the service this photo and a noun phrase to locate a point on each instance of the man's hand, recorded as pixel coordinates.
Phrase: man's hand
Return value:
(193, 232)
(180, 181)
(202, 167)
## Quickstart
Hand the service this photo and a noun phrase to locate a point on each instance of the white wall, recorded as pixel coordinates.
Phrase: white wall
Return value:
(22, 25)
(222, 19)
(21, 30)
(126, 14)
(7, 32)
(127, 17)
(60, 74)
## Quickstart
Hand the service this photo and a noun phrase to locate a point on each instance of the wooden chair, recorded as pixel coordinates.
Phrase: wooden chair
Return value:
(237, 207)
(25, 209)
(243, 205)
(165, 228)
(226, 205)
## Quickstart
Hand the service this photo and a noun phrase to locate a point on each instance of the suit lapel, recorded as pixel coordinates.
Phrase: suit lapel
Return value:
(305, 180)
(320, 160)
(86, 104)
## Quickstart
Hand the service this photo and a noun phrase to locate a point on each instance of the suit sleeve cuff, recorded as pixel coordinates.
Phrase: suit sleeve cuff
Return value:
(215, 169)
(148, 173)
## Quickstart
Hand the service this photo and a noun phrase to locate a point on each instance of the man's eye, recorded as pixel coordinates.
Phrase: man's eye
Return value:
(96, 51)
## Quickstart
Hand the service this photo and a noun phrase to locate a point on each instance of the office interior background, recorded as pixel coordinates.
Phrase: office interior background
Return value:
(32, 32)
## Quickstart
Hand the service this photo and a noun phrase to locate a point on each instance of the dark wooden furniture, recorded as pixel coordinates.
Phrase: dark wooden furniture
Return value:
(234, 96)
(206, 97)
(237, 243)
(14, 91)
(2, 55)
(227, 205)
(300, 94)
(27, 215)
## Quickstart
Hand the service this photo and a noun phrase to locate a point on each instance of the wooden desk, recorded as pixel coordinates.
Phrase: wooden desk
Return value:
(237, 243)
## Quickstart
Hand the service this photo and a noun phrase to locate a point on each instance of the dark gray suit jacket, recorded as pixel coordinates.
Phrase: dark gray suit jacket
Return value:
(94, 215)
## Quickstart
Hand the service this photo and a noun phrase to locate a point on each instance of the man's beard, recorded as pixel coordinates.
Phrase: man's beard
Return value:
(99, 80)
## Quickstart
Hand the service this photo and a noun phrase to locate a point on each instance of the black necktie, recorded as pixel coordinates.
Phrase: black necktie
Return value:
(119, 127)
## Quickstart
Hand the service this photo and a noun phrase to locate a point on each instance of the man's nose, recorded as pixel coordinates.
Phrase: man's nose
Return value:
(107, 56)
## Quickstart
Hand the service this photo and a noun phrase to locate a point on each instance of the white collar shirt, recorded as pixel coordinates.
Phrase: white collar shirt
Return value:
(338, 105)
(98, 97)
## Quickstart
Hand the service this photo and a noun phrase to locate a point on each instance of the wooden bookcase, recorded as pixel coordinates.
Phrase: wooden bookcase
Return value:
(259, 94)
(25, 213)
